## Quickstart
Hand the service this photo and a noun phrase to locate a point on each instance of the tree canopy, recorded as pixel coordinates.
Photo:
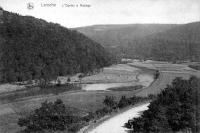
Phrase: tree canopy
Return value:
(50, 116)
(175, 109)
(31, 48)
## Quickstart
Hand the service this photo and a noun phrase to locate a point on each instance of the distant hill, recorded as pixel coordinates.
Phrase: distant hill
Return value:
(31, 48)
(120, 35)
(180, 43)
(149, 41)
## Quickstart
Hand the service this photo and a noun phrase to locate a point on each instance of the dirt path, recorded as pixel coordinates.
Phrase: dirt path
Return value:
(116, 123)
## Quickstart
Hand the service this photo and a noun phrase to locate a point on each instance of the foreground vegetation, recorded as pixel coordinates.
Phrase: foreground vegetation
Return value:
(54, 116)
(175, 109)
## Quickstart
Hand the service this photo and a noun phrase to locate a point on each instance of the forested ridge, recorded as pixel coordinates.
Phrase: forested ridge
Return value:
(180, 43)
(122, 34)
(176, 109)
(32, 48)
(165, 42)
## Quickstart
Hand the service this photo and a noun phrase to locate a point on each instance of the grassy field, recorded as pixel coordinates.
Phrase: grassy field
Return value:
(34, 91)
(164, 79)
(10, 87)
(114, 74)
(168, 72)
(81, 102)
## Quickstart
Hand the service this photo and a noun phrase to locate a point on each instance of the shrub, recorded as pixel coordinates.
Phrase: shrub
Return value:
(50, 116)
(123, 102)
(110, 102)
(156, 74)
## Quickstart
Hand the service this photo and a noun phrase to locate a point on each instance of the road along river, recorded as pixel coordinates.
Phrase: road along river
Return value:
(116, 123)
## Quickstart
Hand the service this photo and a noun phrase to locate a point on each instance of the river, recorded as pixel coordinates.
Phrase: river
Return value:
(142, 79)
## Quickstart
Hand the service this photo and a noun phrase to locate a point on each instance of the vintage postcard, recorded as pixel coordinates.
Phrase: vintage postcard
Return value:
(99, 66)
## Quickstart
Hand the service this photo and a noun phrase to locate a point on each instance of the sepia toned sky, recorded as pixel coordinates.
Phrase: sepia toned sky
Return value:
(108, 11)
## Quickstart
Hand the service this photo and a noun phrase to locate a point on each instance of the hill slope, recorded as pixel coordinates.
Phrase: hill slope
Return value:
(120, 35)
(31, 48)
(179, 43)
(149, 41)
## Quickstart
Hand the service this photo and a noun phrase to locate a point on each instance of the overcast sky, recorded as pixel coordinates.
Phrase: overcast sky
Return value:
(109, 11)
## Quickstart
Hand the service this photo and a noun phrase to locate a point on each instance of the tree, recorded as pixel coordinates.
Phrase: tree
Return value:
(58, 82)
(156, 74)
(68, 79)
(80, 76)
(43, 83)
(123, 102)
(50, 116)
(110, 102)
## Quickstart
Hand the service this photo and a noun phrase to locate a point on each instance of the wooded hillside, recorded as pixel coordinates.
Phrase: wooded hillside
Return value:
(32, 48)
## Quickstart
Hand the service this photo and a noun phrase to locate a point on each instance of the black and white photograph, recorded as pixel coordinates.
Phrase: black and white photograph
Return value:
(99, 66)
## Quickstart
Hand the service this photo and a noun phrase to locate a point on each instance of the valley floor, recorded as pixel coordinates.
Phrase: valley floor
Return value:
(87, 101)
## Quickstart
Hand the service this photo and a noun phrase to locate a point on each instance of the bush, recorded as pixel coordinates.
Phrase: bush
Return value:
(50, 116)
(123, 102)
(43, 83)
(110, 102)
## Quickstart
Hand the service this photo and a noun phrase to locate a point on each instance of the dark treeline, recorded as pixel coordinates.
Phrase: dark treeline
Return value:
(195, 66)
(112, 105)
(37, 90)
(31, 48)
(176, 109)
(163, 50)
